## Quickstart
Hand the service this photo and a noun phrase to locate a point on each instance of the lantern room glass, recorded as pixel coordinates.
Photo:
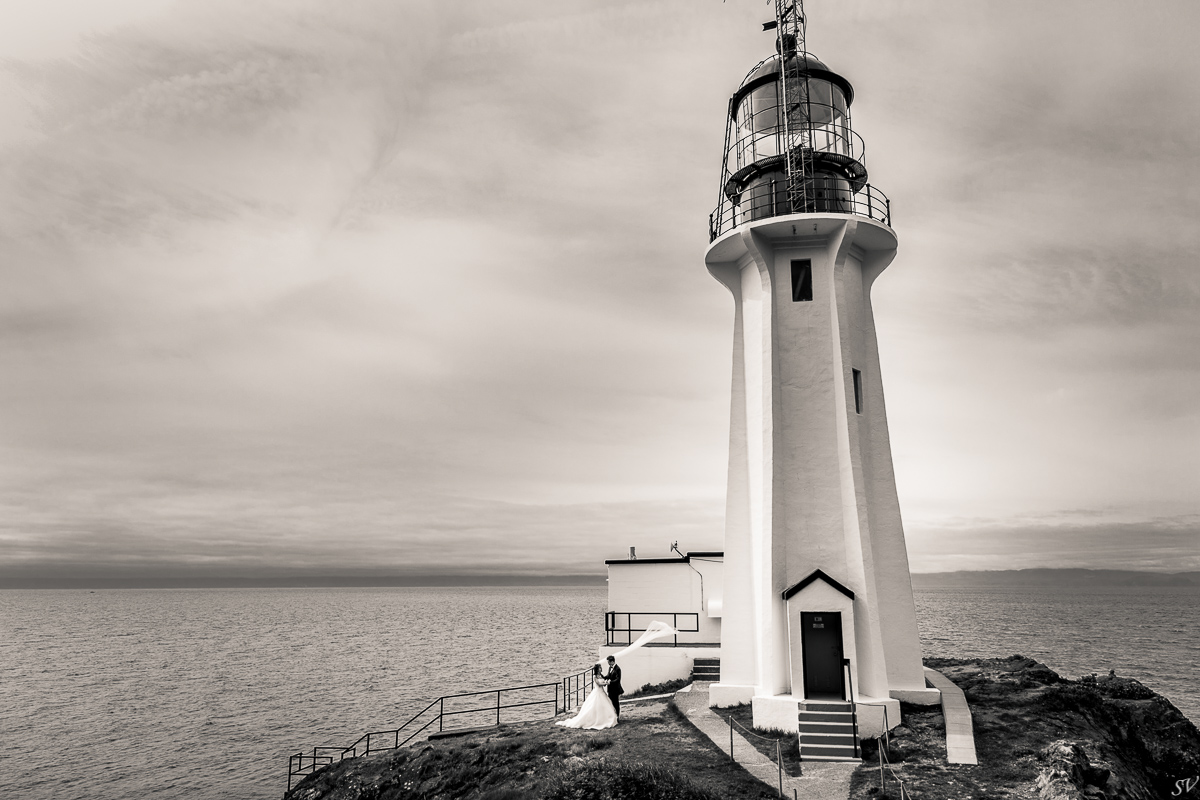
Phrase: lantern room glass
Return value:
(822, 109)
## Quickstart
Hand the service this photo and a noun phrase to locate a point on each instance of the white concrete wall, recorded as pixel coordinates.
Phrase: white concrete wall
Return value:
(649, 665)
(810, 478)
(897, 616)
(653, 591)
(740, 635)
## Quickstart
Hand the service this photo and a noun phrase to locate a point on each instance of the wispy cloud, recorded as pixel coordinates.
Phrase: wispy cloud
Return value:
(420, 284)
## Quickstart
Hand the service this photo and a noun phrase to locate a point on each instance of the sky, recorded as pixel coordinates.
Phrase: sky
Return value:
(377, 288)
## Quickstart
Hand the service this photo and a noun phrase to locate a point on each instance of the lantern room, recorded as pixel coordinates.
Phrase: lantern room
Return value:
(791, 106)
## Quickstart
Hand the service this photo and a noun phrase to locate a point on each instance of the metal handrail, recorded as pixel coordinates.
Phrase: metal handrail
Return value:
(610, 625)
(868, 202)
(302, 763)
(853, 705)
(887, 737)
(885, 752)
(575, 686)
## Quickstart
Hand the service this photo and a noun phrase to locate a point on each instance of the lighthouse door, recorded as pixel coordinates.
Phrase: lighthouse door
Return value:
(821, 639)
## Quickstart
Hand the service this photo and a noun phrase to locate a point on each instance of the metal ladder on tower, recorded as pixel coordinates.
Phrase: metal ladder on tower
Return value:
(795, 114)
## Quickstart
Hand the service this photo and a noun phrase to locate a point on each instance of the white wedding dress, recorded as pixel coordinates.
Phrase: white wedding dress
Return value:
(595, 714)
(597, 711)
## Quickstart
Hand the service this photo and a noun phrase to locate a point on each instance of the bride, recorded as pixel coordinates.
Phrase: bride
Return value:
(597, 711)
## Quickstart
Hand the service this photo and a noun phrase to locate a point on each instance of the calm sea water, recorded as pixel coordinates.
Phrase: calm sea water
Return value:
(203, 693)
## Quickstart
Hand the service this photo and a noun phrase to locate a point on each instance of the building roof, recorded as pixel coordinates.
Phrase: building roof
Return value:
(697, 554)
(817, 574)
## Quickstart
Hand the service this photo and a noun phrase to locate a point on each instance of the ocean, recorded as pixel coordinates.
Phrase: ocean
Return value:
(202, 694)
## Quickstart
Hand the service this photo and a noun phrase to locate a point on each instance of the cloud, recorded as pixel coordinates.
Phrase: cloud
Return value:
(1165, 544)
(346, 532)
(303, 283)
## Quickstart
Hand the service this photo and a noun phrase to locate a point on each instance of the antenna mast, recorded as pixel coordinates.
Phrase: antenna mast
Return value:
(795, 114)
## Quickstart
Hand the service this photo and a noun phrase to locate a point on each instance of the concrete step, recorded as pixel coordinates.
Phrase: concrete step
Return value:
(821, 716)
(827, 732)
(827, 752)
(706, 669)
(840, 739)
(826, 729)
(826, 706)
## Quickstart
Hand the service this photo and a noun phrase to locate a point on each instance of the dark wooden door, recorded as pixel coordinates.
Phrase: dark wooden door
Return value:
(821, 639)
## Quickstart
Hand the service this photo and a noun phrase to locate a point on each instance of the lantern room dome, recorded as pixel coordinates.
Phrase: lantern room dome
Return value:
(767, 70)
(770, 66)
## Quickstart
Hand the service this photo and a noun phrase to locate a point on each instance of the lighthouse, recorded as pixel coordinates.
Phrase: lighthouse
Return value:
(817, 601)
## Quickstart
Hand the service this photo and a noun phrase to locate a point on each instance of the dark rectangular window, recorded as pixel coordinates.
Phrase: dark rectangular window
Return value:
(858, 396)
(801, 280)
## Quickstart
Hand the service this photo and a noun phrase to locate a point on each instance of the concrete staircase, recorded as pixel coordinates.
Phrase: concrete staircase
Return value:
(706, 669)
(828, 732)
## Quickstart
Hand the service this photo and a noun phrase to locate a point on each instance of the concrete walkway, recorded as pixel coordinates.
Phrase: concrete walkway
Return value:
(821, 780)
(960, 732)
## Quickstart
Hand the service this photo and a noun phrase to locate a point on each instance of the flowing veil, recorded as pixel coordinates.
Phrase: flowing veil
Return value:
(655, 630)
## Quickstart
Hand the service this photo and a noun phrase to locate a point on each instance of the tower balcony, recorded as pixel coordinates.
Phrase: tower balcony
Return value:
(769, 198)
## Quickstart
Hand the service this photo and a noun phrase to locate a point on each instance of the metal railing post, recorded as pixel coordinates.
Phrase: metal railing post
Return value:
(731, 737)
(497, 706)
(441, 712)
(887, 734)
(881, 771)
(779, 762)
(853, 706)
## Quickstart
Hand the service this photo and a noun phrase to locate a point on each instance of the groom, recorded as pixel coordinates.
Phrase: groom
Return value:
(615, 690)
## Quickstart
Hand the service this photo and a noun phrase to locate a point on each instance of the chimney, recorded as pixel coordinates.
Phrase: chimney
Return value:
(633, 554)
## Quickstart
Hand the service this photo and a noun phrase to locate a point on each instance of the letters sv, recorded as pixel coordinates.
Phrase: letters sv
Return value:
(1185, 785)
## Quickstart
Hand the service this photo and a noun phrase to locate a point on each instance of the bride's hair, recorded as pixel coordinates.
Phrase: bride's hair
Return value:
(595, 669)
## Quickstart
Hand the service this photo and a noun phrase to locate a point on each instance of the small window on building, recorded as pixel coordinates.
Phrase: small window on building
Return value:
(801, 280)
(858, 395)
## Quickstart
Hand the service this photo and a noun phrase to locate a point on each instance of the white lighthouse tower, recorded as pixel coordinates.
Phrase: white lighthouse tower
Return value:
(818, 602)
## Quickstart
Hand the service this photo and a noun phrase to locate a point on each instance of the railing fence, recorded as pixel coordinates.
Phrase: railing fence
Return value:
(612, 628)
(489, 713)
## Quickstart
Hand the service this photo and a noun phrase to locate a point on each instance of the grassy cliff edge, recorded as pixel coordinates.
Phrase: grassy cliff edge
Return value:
(1038, 736)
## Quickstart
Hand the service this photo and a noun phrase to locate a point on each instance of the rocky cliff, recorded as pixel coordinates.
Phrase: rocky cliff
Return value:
(1042, 737)
(1038, 737)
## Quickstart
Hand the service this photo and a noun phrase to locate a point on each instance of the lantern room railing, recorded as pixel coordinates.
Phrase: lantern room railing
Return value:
(750, 146)
(868, 202)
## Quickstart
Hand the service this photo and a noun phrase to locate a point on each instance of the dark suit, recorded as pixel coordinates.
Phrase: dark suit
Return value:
(615, 690)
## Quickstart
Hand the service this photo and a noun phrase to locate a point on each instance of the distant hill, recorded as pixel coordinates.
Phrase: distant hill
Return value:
(1077, 578)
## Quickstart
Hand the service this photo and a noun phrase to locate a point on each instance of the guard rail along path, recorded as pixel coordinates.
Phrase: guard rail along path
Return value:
(487, 708)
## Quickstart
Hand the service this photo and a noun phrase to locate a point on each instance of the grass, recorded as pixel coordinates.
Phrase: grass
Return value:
(654, 754)
(667, 687)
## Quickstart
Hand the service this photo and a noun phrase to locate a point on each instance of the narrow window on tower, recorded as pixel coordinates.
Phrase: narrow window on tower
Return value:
(858, 397)
(801, 280)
